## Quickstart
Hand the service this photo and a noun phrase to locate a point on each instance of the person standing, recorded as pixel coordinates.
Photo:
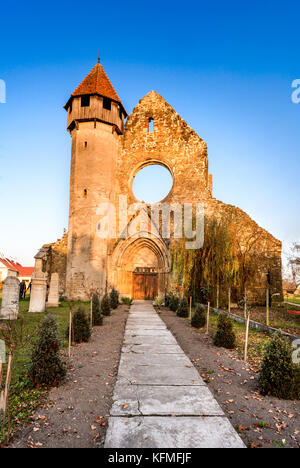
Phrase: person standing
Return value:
(22, 290)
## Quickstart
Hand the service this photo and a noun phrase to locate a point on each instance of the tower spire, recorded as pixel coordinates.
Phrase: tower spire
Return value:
(98, 55)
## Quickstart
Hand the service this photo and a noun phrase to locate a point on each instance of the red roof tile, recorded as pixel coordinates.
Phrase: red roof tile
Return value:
(8, 264)
(97, 82)
(15, 266)
(26, 271)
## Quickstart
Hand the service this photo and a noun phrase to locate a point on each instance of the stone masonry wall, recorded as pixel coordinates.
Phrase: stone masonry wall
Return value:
(55, 261)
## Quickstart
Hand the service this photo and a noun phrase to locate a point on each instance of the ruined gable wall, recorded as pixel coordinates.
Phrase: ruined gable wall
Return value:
(173, 143)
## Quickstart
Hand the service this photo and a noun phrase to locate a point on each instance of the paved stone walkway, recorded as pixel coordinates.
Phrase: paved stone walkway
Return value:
(160, 401)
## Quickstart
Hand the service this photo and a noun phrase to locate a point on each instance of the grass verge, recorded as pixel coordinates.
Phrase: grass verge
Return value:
(24, 400)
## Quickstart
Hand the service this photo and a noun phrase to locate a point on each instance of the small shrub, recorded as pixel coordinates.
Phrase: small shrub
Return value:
(168, 299)
(278, 375)
(183, 308)
(114, 298)
(158, 302)
(174, 303)
(225, 336)
(105, 305)
(46, 366)
(198, 318)
(203, 294)
(127, 300)
(96, 311)
(81, 331)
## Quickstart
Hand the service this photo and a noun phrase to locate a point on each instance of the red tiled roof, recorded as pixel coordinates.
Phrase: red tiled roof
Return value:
(26, 271)
(8, 264)
(97, 82)
(15, 266)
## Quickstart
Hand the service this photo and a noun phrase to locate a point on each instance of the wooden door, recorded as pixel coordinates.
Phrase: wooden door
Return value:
(145, 286)
(138, 286)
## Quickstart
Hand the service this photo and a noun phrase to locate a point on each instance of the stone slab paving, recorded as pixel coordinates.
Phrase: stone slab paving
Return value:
(160, 401)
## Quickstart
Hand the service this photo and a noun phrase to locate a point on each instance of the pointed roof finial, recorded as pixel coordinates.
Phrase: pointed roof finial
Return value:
(98, 55)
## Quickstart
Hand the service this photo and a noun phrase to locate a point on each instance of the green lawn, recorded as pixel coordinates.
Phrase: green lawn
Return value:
(256, 342)
(278, 317)
(30, 323)
(294, 300)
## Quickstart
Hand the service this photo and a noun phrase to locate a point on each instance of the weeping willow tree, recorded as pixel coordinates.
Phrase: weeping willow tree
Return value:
(215, 264)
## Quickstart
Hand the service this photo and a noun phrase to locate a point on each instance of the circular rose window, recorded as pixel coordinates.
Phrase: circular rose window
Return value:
(152, 184)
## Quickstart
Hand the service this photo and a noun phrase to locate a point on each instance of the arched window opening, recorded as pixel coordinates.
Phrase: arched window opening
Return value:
(151, 126)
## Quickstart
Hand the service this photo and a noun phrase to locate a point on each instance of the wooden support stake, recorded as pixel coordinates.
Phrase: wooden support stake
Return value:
(246, 338)
(190, 308)
(1, 374)
(218, 294)
(7, 384)
(267, 307)
(1, 392)
(70, 331)
(229, 299)
(91, 313)
(245, 304)
(207, 317)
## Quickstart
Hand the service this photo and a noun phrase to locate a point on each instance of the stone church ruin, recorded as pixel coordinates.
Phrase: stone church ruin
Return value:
(108, 149)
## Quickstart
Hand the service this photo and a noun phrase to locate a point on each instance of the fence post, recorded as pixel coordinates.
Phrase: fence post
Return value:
(190, 308)
(70, 331)
(91, 312)
(246, 338)
(245, 303)
(4, 394)
(207, 317)
(267, 307)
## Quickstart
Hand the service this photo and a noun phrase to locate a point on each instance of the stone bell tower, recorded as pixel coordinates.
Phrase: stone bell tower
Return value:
(95, 122)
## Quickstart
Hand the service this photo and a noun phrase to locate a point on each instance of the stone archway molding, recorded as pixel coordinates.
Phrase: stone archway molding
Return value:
(126, 247)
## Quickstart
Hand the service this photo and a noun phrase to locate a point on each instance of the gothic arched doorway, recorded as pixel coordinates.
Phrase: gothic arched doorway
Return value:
(140, 267)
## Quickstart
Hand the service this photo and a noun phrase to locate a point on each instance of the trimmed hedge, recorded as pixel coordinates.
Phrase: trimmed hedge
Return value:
(225, 336)
(198, 318)
(105, 305)
(279, 375)
(81, 331)
(183, 308)
(96, 311)
(114, 298)
(46, 367)
(173, 303)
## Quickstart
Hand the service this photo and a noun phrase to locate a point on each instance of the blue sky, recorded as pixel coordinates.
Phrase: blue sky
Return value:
(225, 67)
